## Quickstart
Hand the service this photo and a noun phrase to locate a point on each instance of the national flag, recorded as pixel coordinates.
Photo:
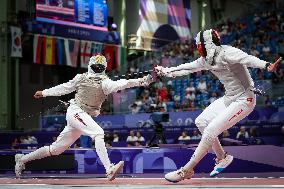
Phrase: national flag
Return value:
(49, 51)
(85, 53)
(37, 48)
(97, 48)
(60, 49)
(72, 51)
(110, 52)
(16, 47)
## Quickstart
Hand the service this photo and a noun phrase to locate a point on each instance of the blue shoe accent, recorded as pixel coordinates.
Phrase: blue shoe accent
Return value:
(218, 170)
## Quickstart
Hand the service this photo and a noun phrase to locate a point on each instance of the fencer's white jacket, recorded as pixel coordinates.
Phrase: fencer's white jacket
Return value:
(229, 65)
(91, 90)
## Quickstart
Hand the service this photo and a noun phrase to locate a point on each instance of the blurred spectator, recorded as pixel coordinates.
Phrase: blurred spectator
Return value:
(177, 106)
(163, 93)
(254, 137)
(134, 108)
(140, 138)
(190, 96)
(202, 86)
(138, 143)
(24, 140)
(277, 76)
(131, 139)
(115, 137)
(267, 101)
(31, 139)
(184, 136)
(213, 97)
(190, 88)
(15, 143)
(242, 134)
(226, 134)
(108, 139)
(195, 135)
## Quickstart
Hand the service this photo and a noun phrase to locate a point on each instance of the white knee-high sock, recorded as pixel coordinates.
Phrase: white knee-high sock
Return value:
(37, 154)
(218, 149)
(102, 151)
(202, 149)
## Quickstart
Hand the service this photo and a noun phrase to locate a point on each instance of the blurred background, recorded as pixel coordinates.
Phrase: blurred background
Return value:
(47, 42)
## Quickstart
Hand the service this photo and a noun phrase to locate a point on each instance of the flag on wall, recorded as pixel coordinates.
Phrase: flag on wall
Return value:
(60, 52)
(16, 44)
(49, 50)
(37, 48)
(72, 51)
(111, 54)
(85, 53)
(97, 48)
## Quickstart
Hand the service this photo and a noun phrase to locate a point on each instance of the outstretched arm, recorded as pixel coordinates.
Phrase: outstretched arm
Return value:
(59, 90)
(183, 69)
(234, 55)
(110, 86)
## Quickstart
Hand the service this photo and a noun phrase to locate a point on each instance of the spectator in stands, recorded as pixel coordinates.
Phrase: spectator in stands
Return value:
(108, 139)
(242, 134)
(138, 143)
(24, 140)
(254, 137)
(190, 88)
(184, 136)
(134, 108)
(195, 135)
(177, 106)
(139, 136)
(190, 96)
(188, 105)
(226, 134)
(163, 93)
(213, 97)
(131, 139)
(277, 76)
(202, 88)
(267, 101)
(115, 137)
(31, 139)
(15, 143)
(254, 51)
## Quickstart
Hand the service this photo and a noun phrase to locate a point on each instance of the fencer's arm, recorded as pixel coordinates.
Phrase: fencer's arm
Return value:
(110, 86)
(235, 55)
(183, 69)
(62, 89)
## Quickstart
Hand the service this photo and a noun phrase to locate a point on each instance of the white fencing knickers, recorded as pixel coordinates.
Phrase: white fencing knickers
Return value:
(218, 117)
(78, 123)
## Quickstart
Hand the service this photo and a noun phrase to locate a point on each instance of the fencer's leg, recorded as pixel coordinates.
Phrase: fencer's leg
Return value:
(187, 172)
(85, 123)
(206, 117)
(102, 151)
(216, 145)
(235, 112)
(64, 140)
(203, 147)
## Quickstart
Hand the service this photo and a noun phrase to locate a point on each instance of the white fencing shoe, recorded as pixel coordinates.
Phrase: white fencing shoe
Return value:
(114, 170)
(179, 175)
(20, 166)
(221, 165)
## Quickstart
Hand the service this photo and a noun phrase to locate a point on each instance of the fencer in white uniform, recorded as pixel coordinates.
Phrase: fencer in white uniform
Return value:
(229, 64)
(91, 89)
